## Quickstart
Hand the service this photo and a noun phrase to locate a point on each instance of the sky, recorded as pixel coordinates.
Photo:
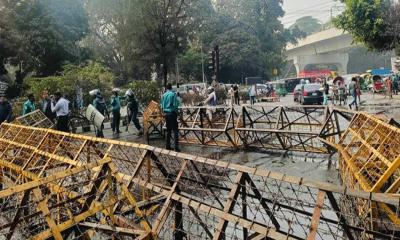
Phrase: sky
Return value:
(320, 9)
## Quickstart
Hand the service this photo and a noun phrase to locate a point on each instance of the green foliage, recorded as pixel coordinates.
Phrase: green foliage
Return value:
(88, 77)
(42, 34)
(190, 64)
(367, 21)
(255, 29)
(145, 91)
(307, 24)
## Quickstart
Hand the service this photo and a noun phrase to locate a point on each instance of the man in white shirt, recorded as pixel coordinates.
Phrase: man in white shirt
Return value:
(211, 101)
(59, 105)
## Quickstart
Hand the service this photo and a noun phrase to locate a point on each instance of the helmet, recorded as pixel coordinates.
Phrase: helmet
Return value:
(116, 90)
(94, 92)
(129, 92)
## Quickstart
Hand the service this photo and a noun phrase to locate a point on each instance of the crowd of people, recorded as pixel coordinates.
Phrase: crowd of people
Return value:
(57, 108)
(339, 92)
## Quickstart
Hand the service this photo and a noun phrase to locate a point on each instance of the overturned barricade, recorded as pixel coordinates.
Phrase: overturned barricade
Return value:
(64, 186)
(369, 157)
(153, 121)
(34, 119)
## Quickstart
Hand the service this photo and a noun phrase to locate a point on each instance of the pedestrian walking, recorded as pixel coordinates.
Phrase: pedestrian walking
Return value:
(46, 106)
(5, 110)
(325, 85)
(100, 104)
(252, 94)
(116, 111)
(60, 106)
(29, 105)
(353, 93)
(133, 111)
(169, 105)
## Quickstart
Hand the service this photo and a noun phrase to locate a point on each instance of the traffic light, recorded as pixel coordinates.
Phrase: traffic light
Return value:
(211, 60)
(216, 50)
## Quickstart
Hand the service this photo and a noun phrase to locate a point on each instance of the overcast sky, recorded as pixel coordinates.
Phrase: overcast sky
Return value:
(320, 9)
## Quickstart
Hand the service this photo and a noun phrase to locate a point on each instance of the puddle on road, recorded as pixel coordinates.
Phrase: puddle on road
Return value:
(312, 166)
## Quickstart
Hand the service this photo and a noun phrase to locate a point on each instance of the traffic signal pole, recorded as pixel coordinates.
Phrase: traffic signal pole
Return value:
(214, 63)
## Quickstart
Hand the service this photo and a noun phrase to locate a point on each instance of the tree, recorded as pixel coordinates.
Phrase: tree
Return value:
(45, 33)
(367, 21)
(261, 20)
(307, 24)
(190, 63)
(114, 39)
(164, 34)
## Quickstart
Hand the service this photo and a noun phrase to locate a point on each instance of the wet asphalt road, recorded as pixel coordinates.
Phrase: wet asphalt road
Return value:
(312, 166)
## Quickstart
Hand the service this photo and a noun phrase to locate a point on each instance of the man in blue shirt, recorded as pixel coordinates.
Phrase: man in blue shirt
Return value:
(169, 105)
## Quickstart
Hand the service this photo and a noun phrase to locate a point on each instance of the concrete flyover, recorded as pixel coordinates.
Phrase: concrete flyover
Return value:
(328, 47)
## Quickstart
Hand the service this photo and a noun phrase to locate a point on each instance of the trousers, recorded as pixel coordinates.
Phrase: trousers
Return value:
(116, 121)
(171, 120)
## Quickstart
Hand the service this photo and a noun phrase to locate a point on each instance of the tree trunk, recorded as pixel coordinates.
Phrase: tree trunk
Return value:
(165, 71)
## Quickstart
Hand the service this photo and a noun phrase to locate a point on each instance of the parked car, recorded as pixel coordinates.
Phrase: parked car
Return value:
(297, 93)
(312, 94)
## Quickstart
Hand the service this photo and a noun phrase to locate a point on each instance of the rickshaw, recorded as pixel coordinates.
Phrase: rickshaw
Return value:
(378, 85)
(280, 88)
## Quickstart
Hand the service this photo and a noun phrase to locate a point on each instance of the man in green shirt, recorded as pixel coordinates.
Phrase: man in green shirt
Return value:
(29, 105)
(169, 105)
(116, 111)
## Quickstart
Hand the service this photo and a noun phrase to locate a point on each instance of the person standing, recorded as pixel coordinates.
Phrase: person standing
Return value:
(395, 84)
(116, 111)
(252, 94)
(232, 95)
(389, 87)
(46, 106)
(236, 93)
(5, 110)
(169, 105)
(29, 105)
(211, 101)
(353, 93)
(60, 106)
(133, 111)
(326, 92)
(358, 90)
(100, 104)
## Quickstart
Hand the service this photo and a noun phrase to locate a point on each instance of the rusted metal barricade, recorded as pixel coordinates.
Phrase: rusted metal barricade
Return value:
(64, 186)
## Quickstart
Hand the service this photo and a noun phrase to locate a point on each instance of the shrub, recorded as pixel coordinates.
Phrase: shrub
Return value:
(145, 91)
(91, 76)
